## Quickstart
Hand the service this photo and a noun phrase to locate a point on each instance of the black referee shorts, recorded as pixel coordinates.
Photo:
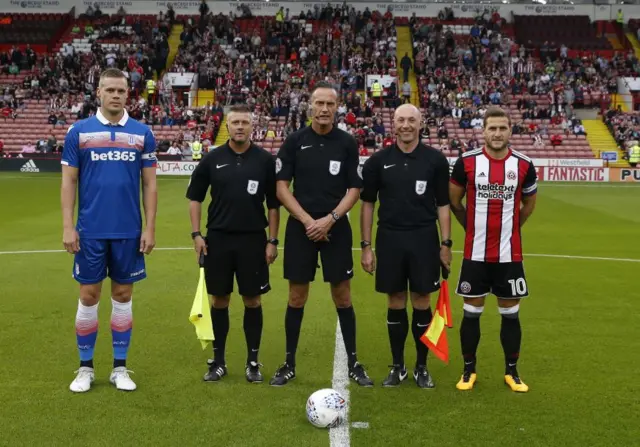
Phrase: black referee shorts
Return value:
(301, 253)
(408, 257)
(242, 254)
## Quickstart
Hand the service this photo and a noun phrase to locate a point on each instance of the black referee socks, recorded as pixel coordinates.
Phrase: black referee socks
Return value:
(347, 319)
(220, 322)
(398, 327)
(421, 319)
(252, 324)
(292, 324)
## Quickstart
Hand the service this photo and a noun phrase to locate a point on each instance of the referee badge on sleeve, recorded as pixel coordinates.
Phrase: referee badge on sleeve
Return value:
(334, 167)
(252, 187)
(278, 165)
(421, 187)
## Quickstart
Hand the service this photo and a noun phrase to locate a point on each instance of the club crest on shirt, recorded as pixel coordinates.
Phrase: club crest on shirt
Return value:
(421, 187)
(334, 167)
(511, 175)
(252, 187)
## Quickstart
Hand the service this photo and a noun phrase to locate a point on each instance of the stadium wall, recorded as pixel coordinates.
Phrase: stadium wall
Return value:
(595, 12)
(549, 170)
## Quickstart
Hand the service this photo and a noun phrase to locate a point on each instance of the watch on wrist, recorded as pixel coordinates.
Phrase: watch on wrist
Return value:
(273, 241)
(364, 244)
(335, 216)
(195, 234)
(447, 243)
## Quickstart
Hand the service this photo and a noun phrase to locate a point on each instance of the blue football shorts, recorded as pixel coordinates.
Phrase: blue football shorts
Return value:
(120, 259)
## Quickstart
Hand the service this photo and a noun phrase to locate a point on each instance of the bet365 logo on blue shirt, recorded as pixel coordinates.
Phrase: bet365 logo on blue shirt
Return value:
(113, 156)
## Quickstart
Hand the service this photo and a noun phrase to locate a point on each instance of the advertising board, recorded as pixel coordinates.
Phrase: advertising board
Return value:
(624, 175)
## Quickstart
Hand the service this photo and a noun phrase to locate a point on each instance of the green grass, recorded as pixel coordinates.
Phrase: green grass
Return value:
(580, 351)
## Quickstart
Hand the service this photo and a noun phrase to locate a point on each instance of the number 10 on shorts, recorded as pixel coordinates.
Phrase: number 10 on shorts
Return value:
(518, 286)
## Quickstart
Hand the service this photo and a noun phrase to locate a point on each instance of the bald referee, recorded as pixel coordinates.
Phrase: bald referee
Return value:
(411, 182)
(322, 161)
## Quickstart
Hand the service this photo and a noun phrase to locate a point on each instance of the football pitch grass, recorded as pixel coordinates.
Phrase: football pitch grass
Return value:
(580, 352)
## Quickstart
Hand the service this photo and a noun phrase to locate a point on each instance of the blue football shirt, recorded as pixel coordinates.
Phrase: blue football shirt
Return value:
(110, 159)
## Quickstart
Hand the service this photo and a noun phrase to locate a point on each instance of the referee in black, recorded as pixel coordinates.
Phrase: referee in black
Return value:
(322, 160)
(411, 182)
(241, 176)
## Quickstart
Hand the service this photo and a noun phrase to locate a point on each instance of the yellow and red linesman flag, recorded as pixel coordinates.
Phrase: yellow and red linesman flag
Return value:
(200, 315)
(435, 337)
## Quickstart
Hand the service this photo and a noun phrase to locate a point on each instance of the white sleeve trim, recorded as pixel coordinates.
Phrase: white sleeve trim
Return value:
(530, 188)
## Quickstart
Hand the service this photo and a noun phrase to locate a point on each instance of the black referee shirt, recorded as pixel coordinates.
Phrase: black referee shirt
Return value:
(410, 186)
(239, 185)
(322, 167)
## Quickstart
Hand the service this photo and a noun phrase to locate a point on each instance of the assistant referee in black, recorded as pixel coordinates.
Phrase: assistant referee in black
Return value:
(241, 176)
(322, 161)
(411, 182)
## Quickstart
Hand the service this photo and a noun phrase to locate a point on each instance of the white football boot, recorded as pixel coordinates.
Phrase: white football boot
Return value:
(84, 379)
(120, 378)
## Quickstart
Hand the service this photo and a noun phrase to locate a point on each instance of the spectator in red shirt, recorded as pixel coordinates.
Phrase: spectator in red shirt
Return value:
(350, 118)
(324, 60)
(556, 140)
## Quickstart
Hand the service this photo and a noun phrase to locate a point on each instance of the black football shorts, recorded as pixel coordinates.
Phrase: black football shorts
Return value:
(408, 260)
(503, 279)
(239, 254)
(301, 253)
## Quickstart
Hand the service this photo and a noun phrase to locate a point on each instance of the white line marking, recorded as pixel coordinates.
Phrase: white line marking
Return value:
(590, 258)
(360, 425)
(339, 436)
(533, 255)
(30, 252)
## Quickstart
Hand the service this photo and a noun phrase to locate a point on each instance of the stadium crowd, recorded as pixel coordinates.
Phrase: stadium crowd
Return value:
(459, 77)
(625, 128)
(272, 66)
(272, 70)
(65, 82)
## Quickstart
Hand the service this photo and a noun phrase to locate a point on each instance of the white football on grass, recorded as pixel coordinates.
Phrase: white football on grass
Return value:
(326, 408)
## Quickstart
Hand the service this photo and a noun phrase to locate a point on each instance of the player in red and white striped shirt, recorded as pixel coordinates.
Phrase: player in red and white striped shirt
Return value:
(500, 185)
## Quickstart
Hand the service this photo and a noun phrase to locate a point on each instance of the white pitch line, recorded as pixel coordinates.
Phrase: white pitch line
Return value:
(339, 436)
(533, 255)
(589, 258)
(30, 252)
